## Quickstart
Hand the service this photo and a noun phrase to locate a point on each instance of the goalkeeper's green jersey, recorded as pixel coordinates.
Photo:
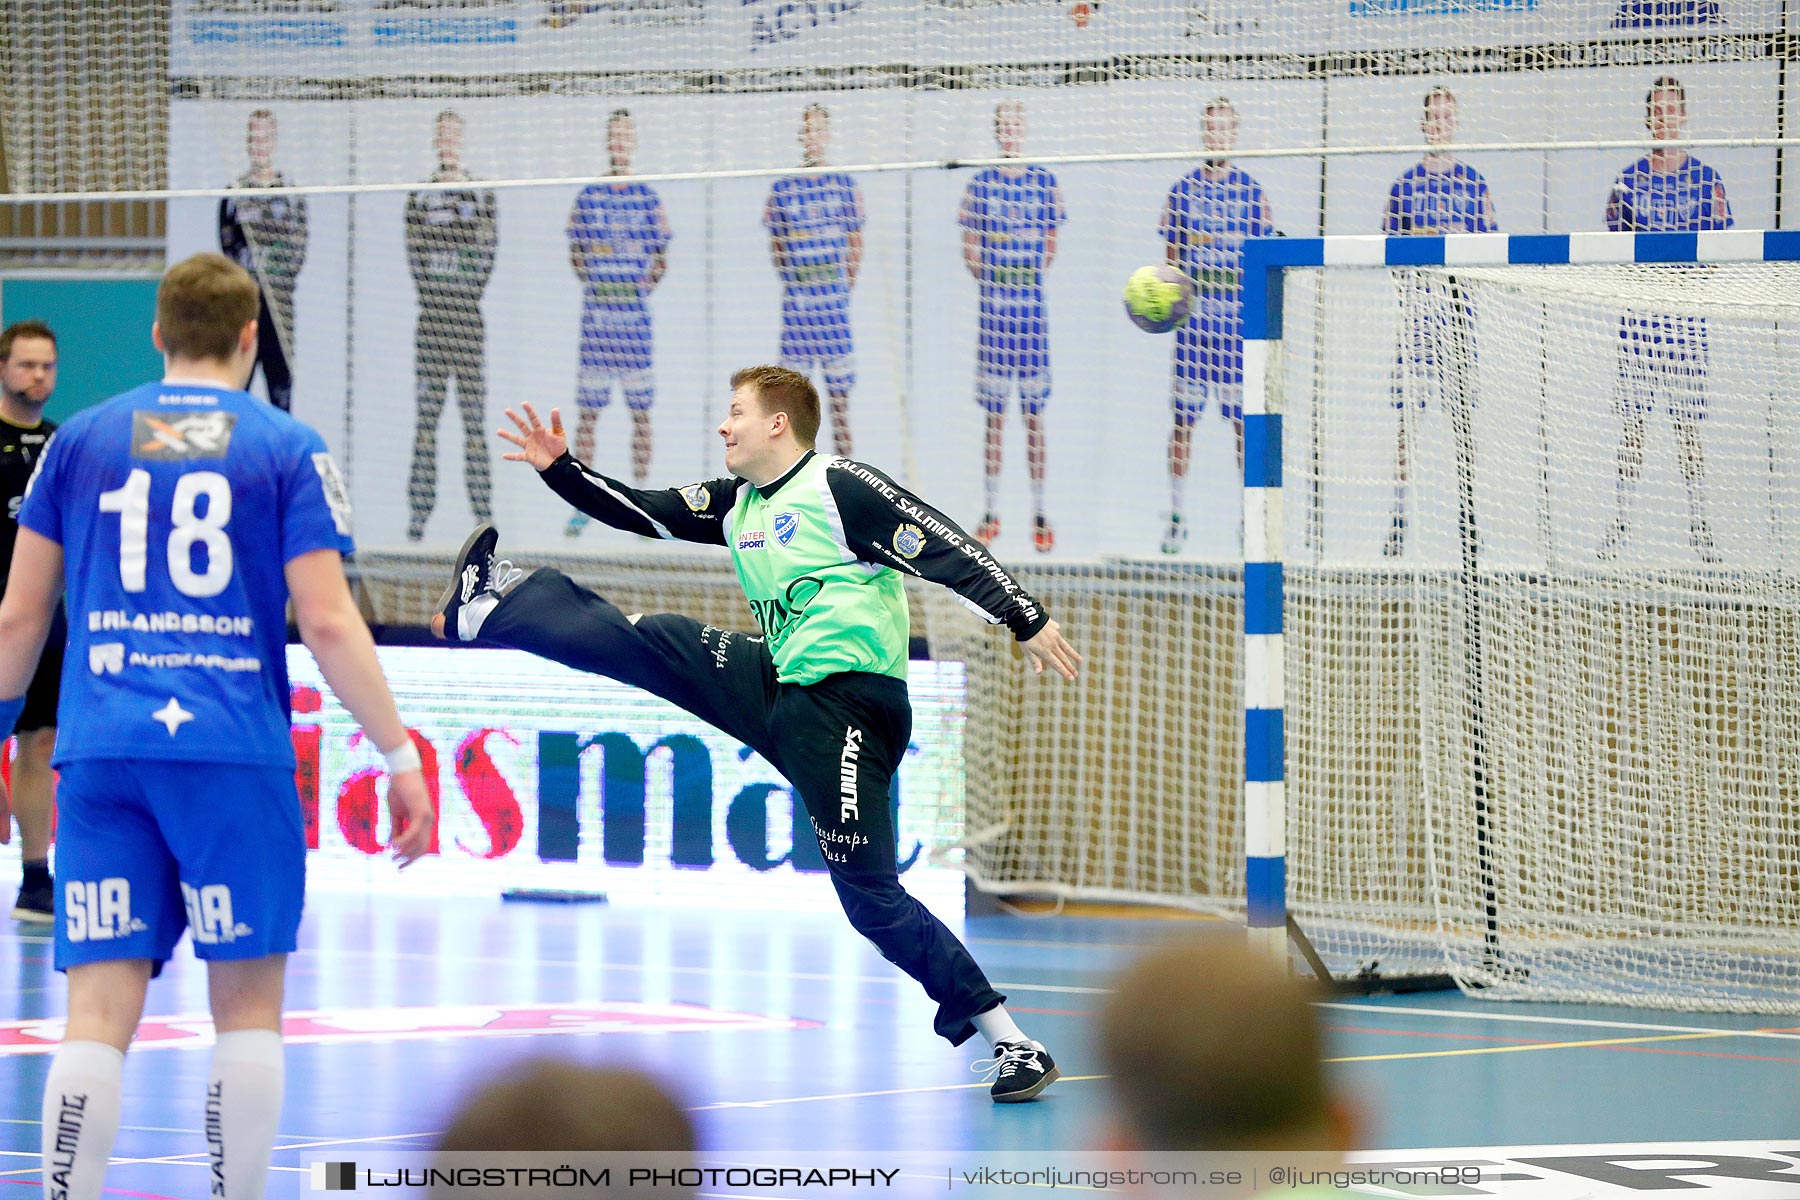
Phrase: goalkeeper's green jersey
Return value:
(821, 608)
(821, 553)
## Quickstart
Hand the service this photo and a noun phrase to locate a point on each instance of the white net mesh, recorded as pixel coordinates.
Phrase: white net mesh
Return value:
(479, 226)
(1542, 696)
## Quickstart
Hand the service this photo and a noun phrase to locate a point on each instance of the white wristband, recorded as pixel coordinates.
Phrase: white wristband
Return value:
(403, 758)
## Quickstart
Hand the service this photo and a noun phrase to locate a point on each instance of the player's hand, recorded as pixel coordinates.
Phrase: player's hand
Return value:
(1049, 648)
(411, 818)
(536, 444)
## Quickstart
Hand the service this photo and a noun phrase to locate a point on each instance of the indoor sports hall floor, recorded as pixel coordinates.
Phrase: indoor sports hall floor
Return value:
(786, 1032)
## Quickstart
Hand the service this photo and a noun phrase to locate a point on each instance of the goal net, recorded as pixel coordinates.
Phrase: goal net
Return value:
(458, 206)
(1543, 656)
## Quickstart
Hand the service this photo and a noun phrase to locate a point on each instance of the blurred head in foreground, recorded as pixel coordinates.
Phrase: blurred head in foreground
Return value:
(1210, 1045)
(554, 1110)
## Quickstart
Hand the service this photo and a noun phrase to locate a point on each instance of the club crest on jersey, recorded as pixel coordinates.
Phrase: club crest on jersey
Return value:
(787, 524)
(696, 496)
(754, 539)
(908, 541)
(160, 437)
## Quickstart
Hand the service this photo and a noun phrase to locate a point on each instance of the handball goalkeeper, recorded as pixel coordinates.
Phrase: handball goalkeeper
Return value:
(822, 547)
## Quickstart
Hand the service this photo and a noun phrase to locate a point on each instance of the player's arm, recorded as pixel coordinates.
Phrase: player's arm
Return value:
(971, 227)
(1490, 222)
(416, 233)
(486, 235)
(1395, 218)
(1620, 216)
(577, 235)
(231, 234)
(659, 261)
(855, 238)
(299, 233)
(35, 583)
(777, 243)
(879, 518)
(1169, 227)
(32, 590)
(335, 633)
(691, 514)
(1055, 217)
(1719, 207)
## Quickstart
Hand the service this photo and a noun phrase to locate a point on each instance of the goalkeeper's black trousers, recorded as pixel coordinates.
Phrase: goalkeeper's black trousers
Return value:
(838, 741)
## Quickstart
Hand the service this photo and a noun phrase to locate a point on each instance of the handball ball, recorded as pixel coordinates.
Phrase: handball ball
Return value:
(1157, 299)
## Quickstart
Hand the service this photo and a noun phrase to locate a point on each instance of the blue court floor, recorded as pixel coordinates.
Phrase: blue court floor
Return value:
(787, 1032)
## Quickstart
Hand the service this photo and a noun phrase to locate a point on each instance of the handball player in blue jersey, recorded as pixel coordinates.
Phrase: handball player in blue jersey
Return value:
(618, 243)
(1438, 196)
(1662, 359)
(180, 518)
(1009, 219)
(1205, 220)
(815, 238)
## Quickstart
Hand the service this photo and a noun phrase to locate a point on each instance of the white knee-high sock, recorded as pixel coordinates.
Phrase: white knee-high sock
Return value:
(243, 1106)
(996, 1025)
(81, 1118)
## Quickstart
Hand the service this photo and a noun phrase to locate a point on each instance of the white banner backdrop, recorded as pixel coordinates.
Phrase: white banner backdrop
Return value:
(913, 311)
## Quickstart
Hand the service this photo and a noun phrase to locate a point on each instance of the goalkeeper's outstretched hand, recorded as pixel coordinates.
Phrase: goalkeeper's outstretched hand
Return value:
(536, 444)
(1049, 648)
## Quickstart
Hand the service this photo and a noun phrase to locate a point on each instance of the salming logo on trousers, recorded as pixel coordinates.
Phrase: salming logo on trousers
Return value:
(847, 808)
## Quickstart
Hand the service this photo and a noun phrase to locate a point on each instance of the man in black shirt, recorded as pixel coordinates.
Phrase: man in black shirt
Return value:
(266, 235)
(451, 239)
(27, 377)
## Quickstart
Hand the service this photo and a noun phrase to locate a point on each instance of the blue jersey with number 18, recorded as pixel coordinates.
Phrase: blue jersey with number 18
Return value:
(178, 506)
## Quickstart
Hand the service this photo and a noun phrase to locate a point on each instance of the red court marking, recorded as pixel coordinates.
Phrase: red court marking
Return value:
(195, 1031)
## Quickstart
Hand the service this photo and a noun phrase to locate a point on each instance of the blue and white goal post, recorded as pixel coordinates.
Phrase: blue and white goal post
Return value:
(1266, 265)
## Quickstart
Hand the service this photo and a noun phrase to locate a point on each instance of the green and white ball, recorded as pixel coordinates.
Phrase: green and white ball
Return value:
(1159, 298)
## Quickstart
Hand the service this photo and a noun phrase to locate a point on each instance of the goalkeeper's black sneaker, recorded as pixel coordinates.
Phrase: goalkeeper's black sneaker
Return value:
(478, 573)
(1020, 1071)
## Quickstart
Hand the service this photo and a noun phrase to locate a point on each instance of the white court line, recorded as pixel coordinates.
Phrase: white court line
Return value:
(386, 1137)
(203, 1158)
(1532, 1019)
